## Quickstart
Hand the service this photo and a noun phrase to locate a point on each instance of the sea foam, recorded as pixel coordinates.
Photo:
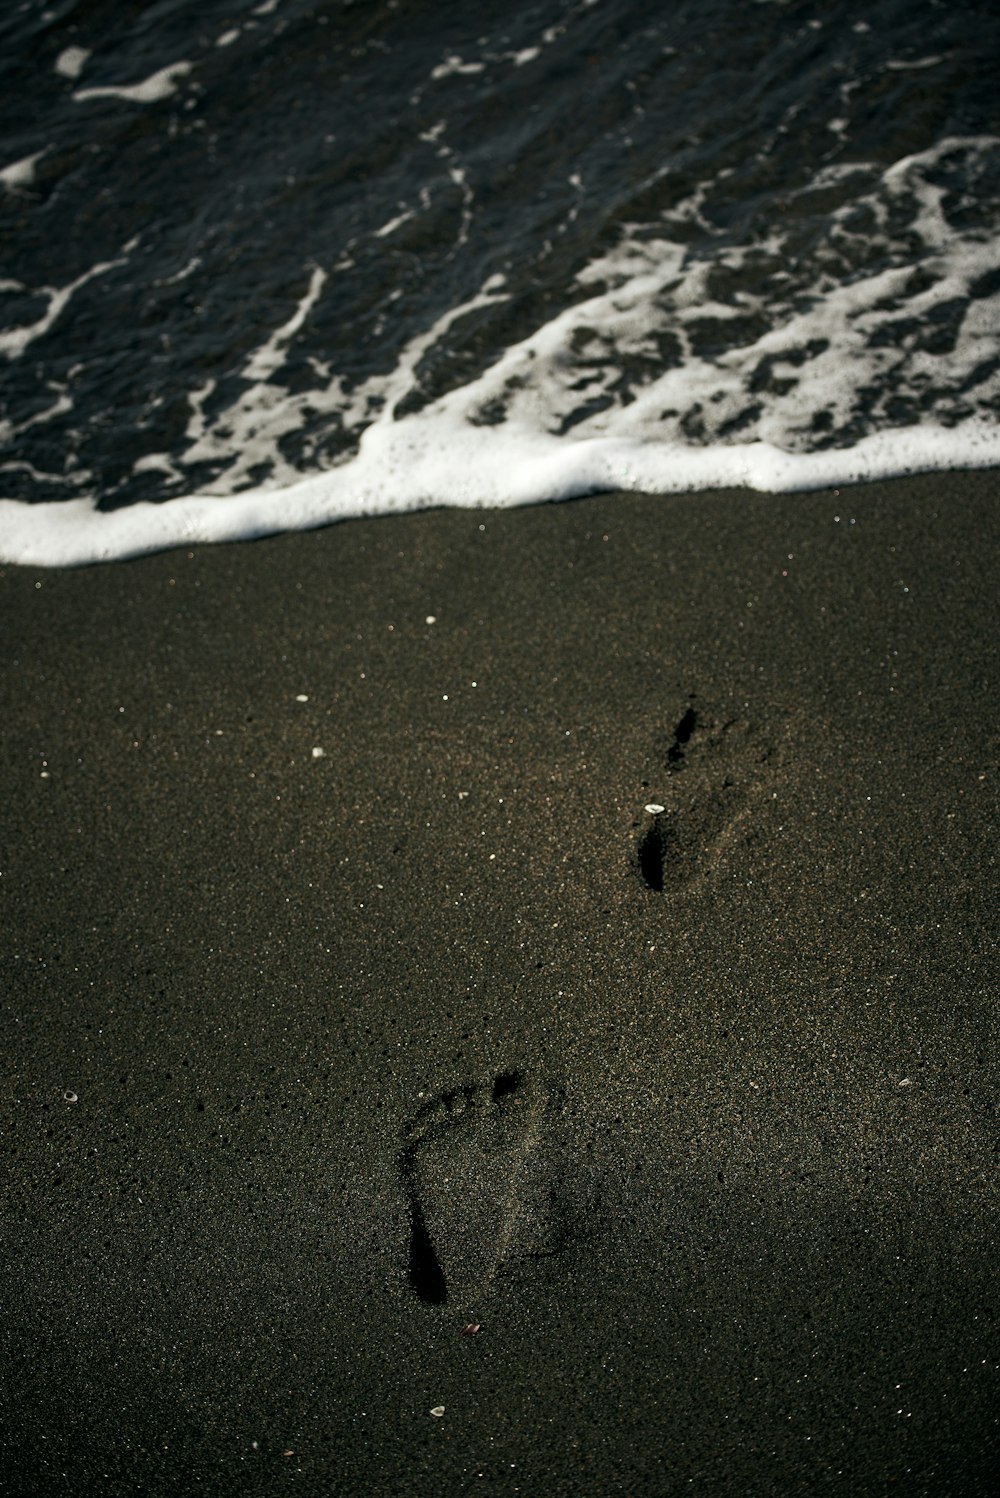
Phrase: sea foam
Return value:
(673, 368)
(425, 461)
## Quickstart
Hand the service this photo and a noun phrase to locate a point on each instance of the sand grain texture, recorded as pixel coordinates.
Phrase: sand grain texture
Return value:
(692, 1112)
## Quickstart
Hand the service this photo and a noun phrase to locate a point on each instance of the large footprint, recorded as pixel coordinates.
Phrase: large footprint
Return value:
(468, 1165)
(715, 768)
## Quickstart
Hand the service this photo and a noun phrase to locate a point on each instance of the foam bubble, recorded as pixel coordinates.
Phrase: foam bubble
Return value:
(21, 173)
(72, 60)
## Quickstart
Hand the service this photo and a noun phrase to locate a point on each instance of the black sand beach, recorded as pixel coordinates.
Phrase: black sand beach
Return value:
(314, 1058)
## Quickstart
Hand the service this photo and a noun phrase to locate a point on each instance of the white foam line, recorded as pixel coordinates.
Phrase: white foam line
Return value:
(271, 355)
(453, 65)
(435, 137)
(62, 403)
(14, 342)
(901, 66)
(408, 465)
(21, 465)
(392, 224)
(181, 275)
(159, 85)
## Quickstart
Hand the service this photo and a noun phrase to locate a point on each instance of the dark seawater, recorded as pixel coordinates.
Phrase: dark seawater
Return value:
(701, 224)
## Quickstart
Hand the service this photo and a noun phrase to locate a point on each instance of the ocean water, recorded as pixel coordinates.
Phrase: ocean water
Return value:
(266, 265)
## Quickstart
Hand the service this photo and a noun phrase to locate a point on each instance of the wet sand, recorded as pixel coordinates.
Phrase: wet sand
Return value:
(352, 997)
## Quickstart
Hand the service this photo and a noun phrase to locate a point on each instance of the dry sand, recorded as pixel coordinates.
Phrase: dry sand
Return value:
(352, 996)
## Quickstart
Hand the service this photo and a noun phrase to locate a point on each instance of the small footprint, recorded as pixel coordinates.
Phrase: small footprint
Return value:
(715, 768)
(469, 1167)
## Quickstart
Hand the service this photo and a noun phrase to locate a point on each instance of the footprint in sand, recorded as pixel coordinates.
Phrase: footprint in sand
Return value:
(715, 769)
(472, 1163)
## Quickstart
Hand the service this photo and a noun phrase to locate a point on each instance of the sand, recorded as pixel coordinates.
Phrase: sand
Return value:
(353, 997)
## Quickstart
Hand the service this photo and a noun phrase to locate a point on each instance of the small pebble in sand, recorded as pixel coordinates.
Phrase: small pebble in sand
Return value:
(653, 807)
(471, 1328)
(302, 697)
(438, 1411)
(70, 1097)
(319, 753)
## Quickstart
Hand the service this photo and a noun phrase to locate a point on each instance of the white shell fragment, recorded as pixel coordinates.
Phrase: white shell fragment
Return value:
(653, 807)
(438, 1411)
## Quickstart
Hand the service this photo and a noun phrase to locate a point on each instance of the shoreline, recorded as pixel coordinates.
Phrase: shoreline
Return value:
(335, 923)
(77, 533)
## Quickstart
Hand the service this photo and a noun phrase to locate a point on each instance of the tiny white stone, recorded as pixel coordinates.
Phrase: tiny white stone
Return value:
(438, 1411)
(431, 619)
(302, 697)
(654, 808)
(318, 753)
